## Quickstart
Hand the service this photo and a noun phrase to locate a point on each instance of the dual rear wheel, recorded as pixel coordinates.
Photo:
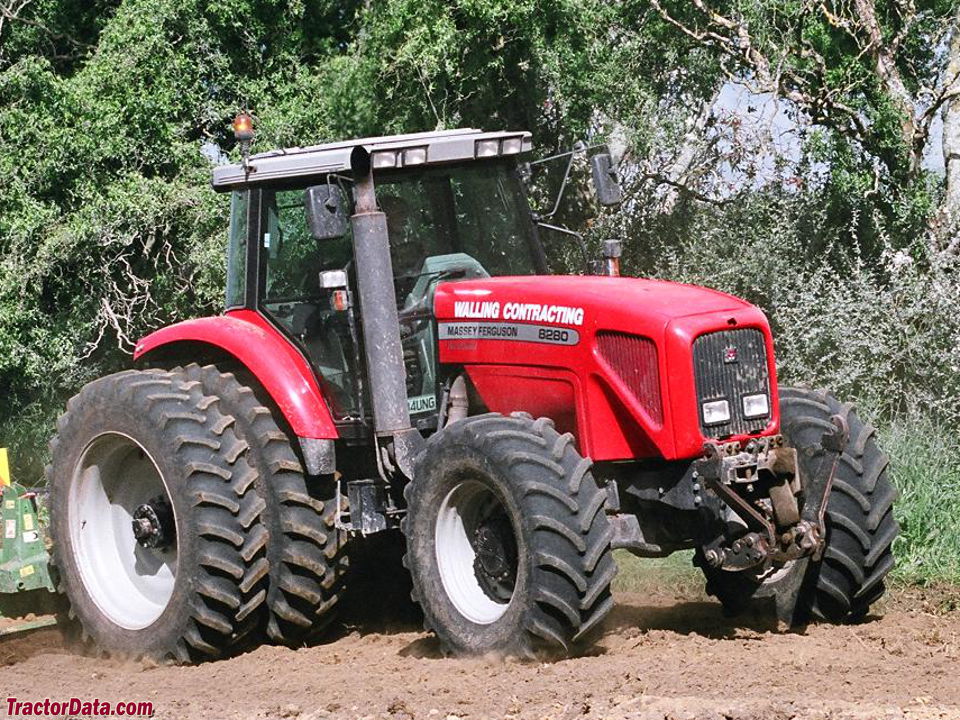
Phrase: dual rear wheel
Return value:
(185, 526)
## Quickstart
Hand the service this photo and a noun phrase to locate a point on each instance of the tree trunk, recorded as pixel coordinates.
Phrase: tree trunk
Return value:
(693, 140)
(948, 222)
(885, 64)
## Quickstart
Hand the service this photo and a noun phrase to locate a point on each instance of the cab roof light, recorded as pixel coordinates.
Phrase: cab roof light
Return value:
(487, 148)
(415, 156)
(243, 131)
(384, 159)
(243, 127)
(511, 146)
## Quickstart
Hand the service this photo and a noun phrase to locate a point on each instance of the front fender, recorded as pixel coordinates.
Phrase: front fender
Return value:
(282, 371)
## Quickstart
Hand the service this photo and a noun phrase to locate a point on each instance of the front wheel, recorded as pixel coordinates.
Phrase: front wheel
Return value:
(860, 522)
(508, 541)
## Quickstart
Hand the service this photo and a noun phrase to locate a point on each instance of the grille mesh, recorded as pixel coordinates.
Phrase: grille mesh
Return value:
(634, 360)
(717, 379)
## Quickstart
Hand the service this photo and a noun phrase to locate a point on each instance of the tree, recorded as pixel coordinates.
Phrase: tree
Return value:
(876, 73)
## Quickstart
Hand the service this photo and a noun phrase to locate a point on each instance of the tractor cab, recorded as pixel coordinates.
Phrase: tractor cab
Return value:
(455, 208)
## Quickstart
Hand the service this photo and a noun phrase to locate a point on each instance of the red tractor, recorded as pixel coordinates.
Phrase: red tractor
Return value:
(395, 355)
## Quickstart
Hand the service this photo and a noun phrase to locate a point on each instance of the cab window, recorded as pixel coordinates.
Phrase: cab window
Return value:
(292, 260)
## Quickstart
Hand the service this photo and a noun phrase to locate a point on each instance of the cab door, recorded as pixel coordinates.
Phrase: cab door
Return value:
(290, 295)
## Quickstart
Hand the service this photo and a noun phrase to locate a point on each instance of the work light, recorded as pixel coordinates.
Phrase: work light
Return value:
(755, 406)
(487, 148)
(716, 412)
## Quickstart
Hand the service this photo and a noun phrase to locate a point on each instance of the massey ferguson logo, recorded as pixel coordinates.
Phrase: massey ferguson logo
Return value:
(729, 355)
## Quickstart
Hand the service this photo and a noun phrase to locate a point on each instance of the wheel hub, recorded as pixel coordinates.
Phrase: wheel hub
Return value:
(495, 564)
(153, 524)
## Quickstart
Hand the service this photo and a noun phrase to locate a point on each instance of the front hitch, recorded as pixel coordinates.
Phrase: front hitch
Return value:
(777, 530)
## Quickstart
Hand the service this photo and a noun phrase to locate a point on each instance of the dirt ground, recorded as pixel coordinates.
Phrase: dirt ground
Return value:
(662, 658)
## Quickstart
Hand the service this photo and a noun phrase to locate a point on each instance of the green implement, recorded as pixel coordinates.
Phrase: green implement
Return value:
(26, 587)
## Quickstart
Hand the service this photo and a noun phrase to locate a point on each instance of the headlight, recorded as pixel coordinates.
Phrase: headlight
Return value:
(755, 406)
(716, 412)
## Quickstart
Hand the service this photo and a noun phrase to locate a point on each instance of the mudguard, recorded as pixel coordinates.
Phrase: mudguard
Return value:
(282, 371)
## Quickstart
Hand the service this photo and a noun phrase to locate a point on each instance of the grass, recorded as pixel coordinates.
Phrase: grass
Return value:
(925, 465)
(673, 575)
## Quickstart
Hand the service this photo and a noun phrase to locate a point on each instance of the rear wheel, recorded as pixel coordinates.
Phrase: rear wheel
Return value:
(308, 562)
(158, 537)
(508, 542)
(860, 523)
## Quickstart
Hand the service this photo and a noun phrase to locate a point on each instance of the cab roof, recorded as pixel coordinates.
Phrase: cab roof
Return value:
(388, 151)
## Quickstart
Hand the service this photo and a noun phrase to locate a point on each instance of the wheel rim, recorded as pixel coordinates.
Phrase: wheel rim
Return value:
(476, 549)
(113, 484)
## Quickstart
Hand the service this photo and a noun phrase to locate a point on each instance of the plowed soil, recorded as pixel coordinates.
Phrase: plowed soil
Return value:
(662, 657)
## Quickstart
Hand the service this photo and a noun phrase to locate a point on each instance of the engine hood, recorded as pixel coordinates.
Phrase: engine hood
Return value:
(609, 359)
(616, 303)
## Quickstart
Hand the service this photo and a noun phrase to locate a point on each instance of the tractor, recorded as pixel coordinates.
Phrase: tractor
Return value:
(395, 357)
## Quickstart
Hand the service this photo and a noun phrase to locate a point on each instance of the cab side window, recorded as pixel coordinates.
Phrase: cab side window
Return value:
(293, 298)
(294, 258)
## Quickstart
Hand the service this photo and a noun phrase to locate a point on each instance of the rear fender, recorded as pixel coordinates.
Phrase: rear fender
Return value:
(277, 365)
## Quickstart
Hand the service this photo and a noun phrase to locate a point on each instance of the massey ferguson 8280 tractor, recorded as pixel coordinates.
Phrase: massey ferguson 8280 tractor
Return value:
(395, 355)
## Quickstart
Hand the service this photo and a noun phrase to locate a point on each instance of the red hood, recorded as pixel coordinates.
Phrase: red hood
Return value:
(532, 344)
(607, 302)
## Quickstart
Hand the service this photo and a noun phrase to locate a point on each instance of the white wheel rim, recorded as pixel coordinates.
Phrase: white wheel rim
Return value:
(130, 584)
(457, 519)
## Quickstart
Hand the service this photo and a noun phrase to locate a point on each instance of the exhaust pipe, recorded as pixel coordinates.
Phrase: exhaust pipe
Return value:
(612, 249)
(381, 322)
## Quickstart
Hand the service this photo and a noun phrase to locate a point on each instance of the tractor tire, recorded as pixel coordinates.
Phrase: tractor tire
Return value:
(306, 552)
(508, 543)
(150, 449)
(860, 522)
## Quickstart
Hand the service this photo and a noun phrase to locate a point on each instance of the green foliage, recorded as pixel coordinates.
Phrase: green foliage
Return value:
(926, 464)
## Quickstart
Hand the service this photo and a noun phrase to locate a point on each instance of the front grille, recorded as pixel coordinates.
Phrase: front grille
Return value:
(634, 360)
(719, 378)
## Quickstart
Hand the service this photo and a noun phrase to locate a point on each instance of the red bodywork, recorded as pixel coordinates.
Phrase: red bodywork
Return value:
(573, 384)
(277, 364)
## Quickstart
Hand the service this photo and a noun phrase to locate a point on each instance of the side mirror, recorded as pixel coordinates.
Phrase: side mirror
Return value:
(605, 179)
(327, 212)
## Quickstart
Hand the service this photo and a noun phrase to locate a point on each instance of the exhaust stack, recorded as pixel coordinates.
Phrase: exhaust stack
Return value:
(381, 322)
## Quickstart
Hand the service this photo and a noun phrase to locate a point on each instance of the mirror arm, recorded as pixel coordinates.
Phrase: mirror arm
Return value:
(563, 187)
(579, 238)
(579, 147)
